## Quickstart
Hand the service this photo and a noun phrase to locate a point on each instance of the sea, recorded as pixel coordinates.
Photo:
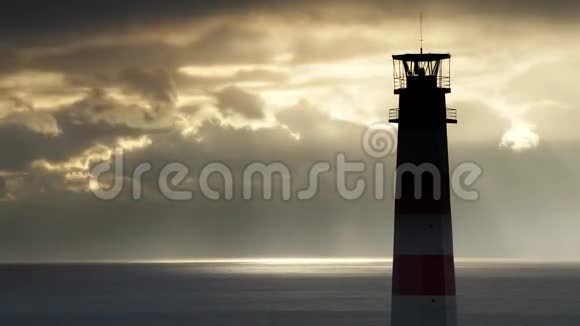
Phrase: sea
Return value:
(273, 292)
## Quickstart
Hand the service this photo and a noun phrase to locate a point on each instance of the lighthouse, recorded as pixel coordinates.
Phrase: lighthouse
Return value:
(423, 282)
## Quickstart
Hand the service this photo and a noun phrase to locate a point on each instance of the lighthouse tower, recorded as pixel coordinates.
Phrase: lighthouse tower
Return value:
(423, 289)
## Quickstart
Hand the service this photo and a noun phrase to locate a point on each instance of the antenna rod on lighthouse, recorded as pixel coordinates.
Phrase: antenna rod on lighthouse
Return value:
(421, 30)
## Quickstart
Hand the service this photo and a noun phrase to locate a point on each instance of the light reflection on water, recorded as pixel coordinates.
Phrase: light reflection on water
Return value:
(279, 292)
(363, 266)
(296, 267)
(293, 266)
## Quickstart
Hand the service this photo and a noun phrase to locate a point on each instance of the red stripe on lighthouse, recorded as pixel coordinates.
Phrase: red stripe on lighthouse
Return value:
(423, 275)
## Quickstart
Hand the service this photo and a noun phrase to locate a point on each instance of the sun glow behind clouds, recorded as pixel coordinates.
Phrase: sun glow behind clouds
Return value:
(520, 137)
(346, 89)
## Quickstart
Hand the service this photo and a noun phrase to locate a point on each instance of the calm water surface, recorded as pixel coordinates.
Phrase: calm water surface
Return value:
(250, 293)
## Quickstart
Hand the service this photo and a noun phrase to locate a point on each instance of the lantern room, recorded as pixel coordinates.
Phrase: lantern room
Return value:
(421, 68)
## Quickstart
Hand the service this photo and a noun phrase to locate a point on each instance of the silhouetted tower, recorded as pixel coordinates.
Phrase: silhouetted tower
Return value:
(423, 292)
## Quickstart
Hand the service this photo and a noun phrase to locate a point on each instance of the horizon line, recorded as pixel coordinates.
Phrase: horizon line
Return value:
(285, 261)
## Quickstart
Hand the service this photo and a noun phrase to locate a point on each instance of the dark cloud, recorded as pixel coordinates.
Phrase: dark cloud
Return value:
(11, 59)
(42, 23)
(223, 35)
(2, 187)
(93, 120)
(40, 122)
(98, 108)
(157, 86)
(106, 59)
(231, 42)
(31, 146)
(224, 43)
(21, 146)
(233, 100)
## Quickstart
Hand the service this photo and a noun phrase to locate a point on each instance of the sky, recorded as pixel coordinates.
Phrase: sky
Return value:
(295, 82)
